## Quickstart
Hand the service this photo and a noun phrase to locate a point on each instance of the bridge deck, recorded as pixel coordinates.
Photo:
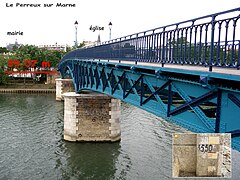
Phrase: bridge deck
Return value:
(185, 67)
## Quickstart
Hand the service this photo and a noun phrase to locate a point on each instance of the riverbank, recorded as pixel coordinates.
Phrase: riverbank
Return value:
(31, 91)
(28, 88)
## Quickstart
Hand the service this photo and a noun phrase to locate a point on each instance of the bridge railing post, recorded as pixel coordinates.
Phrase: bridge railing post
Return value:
(238, 61)
(163, 48)
(211, 60)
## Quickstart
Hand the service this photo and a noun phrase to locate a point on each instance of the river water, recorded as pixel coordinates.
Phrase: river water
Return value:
(32, 145)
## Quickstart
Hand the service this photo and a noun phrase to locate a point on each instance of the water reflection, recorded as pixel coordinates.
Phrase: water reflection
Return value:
(91, 160)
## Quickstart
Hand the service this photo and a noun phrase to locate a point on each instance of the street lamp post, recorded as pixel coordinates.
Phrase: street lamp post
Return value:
(110, 29)
(76, 26)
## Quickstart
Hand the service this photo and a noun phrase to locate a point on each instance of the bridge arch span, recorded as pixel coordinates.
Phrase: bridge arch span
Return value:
(190, 99)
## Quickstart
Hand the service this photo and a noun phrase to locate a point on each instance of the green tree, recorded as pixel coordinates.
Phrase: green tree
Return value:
(3, 66)
(30, 52)
(3, 50)
(27, 52)
(183, 50)
(69, 48)
(128, 50)
(82, 44)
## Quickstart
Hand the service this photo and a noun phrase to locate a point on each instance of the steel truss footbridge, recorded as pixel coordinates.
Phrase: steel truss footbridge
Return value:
(186, 73)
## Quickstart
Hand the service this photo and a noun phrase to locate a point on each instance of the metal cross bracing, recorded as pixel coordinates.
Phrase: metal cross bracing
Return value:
(199, 101)
(211, 41)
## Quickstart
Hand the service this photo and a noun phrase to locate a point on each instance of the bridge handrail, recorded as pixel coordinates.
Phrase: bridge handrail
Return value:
(182, 22)
(206, 41)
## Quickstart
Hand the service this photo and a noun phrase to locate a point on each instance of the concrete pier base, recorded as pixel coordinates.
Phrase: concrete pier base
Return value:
(62, 86)
(91, 117)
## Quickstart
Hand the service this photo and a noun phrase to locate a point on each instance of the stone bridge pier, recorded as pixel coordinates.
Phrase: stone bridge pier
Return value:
(62, 86)
(88, 116)
(91, 117)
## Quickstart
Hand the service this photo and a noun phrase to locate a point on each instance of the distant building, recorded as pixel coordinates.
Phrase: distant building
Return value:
(16, 45)
(54, 47)
(89, 43)
(92, 43)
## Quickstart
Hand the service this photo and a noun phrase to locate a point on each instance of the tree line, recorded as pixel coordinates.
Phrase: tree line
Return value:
(30, 52)
(27, 52)
(179, 50)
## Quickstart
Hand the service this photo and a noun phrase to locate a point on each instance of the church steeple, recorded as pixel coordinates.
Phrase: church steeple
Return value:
(99, 39)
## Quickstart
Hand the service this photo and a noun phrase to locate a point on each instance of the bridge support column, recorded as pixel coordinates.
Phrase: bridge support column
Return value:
(91, 117)
(62, 86)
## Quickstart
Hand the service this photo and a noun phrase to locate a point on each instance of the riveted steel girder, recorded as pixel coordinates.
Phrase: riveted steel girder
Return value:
(178, 96)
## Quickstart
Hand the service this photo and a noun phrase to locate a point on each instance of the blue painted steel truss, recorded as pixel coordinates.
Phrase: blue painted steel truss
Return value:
(200, 102)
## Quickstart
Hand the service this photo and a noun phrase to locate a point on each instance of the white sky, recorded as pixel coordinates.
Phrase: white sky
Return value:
(56, 25)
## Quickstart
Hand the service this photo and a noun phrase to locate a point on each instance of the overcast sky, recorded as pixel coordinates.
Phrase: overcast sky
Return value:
(42, 25)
